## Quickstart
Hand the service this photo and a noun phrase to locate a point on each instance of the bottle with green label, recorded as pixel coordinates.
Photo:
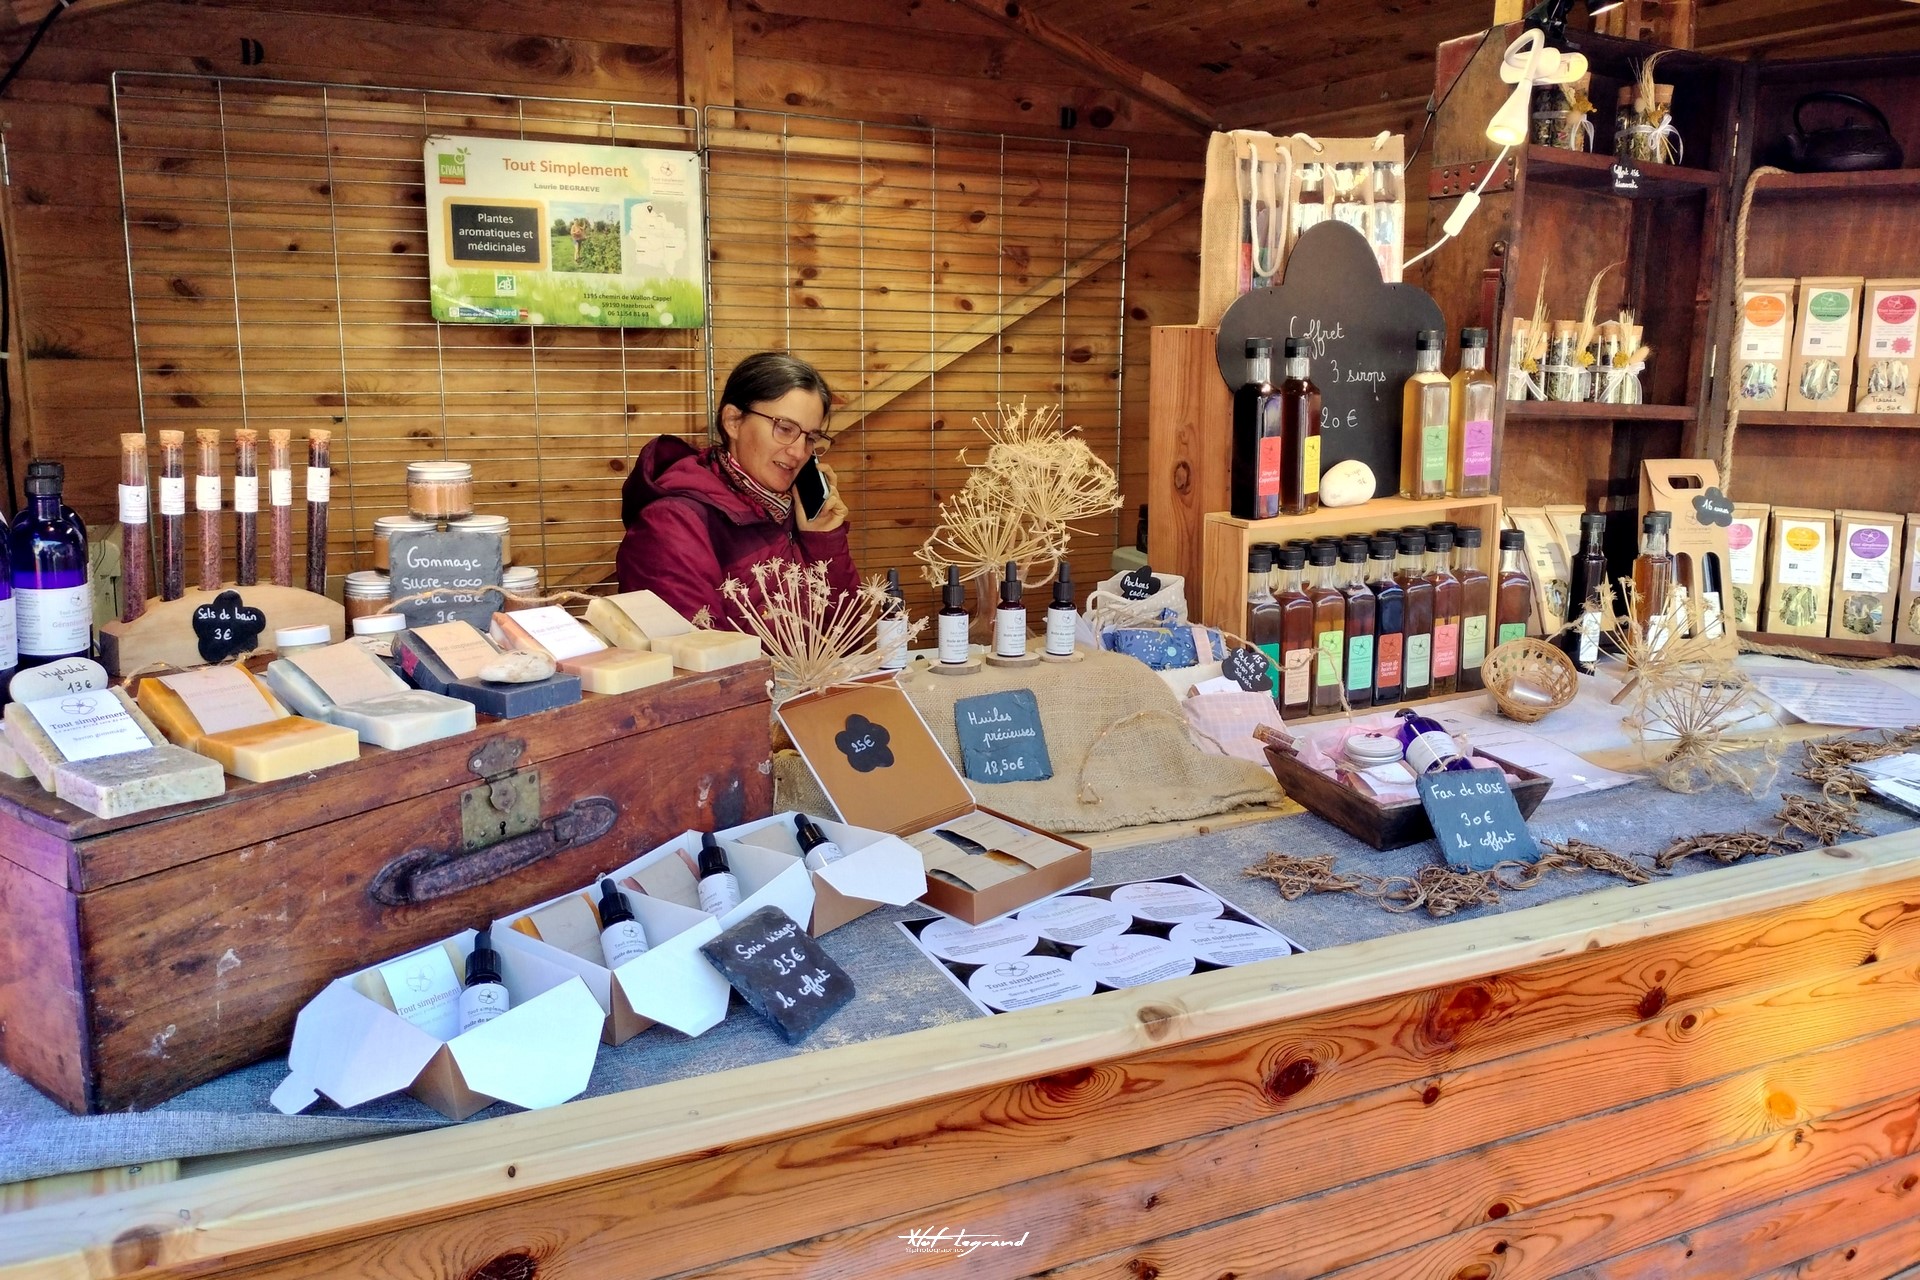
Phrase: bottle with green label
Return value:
(1426, 412)
(1263, 611)
(1476, 602)
(1329, 628)
(1513, 597)
(1360, 623)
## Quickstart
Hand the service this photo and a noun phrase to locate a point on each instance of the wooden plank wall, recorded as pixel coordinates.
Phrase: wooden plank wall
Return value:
(900, 61)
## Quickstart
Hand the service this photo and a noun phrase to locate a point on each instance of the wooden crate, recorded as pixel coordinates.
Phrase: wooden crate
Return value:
(1384, 826)
(147, 954)
(1227, 540)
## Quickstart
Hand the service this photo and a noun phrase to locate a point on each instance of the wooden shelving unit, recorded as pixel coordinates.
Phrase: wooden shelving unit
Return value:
(1558, 411)
(1826, 185)
(1590, 171)
(1804, 418)
(1832, 646)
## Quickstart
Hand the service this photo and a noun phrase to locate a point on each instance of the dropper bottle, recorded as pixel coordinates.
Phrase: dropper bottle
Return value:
(621, 937)
(1063, 620)
(890, 630)
(485, 997)
(1010, 619)
(955, 647)
(719, 890)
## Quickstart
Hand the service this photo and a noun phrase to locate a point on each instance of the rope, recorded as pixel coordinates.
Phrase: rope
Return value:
(1740, 283)
(1825, 659)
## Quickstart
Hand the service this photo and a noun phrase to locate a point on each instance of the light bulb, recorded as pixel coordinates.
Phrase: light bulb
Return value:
(1509, 124)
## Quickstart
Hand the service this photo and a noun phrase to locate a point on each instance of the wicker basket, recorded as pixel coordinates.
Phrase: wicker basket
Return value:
(1536, 666)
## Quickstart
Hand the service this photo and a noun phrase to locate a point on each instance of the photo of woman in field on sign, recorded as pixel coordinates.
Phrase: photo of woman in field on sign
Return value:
(586, 237)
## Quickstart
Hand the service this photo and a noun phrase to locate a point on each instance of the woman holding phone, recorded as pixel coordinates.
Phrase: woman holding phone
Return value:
(697, 517)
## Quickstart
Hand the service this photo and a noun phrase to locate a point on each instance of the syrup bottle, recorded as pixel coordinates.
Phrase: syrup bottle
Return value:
(1329, 630)
(1389, 628)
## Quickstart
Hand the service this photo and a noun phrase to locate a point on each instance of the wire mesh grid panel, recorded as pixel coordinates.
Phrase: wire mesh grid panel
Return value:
(931, 275)
(277, 261)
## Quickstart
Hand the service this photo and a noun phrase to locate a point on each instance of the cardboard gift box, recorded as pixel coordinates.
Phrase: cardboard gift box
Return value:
(351, 1045)
(878, 762)
(671, 983)
(878, 870)
(1688, 490)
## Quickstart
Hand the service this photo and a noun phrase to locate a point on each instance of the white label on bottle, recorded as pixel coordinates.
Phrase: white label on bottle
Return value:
(280, 487)
(1062, 626)
(621, 942)
(1804, 556)
(823, 853)
(1010, 633)
(890, 637)
(319, 483)
(246, 494)
(206, 493)
(954, 646)
(173, 495)
(9, 646)
(54, 621)
(481, 1002)
(1431, 750)
(133, 504)
(719, 893)
(1589, 638)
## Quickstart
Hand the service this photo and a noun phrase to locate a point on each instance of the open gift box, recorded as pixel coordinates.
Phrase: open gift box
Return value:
(878, 870)
(1366, 818)
(351, 1045)
(671, 982)
(874, 756)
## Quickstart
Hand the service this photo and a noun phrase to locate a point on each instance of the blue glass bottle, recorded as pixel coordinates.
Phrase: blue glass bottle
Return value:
(9, 649)
(1429, 747)
(53, 604)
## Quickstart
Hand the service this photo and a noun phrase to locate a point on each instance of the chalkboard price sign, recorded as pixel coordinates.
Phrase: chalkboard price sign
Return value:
(780, 970)
(1138, 584)
(1475, 819)
(459, 569)
(1359, 331)
(1626, 178)
(1713, 507)
(225, 627)
(1249, 669)
(1001, 739)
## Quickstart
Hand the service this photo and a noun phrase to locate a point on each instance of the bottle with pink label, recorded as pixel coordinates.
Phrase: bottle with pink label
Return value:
(1470, 464)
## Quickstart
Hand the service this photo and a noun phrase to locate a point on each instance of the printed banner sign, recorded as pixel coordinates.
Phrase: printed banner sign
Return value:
(564, 233)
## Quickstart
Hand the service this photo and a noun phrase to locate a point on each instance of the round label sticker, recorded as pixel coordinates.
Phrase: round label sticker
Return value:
(1228, 942)
(1030, 980)
(1869, 543)
(965, 943)
(1074, 918)
(1166, 902)
(1133, 959)
(1828, 304)
(1739, 536)
(1895, 308)
(1802, 538)
(1765, 310)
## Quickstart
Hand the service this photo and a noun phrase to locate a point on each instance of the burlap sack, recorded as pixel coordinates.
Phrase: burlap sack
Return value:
(1118, 742)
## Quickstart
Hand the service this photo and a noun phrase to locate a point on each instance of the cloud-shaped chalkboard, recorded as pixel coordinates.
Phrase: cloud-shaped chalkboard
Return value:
(864, 744)
(1713, 507)
(1362, 331)
(225, 626)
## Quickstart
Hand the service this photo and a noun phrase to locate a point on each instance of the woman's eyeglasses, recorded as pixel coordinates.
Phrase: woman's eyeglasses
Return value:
(786, 431)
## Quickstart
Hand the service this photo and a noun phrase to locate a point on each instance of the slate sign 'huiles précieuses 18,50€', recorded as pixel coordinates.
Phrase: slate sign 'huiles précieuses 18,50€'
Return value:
(1000, 737)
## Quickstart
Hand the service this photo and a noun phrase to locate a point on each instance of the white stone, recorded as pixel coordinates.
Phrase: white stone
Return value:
(1346, 484)
(518, 668)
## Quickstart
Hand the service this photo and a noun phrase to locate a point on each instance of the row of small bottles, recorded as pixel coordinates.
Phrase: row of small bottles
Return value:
(1447, 443)
(46, 602)
(1403, 614)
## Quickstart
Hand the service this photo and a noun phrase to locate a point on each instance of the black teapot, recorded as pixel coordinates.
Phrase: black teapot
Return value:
(1845, 148)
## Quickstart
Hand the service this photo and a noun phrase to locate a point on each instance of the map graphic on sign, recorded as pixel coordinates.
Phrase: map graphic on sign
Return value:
(564, 233)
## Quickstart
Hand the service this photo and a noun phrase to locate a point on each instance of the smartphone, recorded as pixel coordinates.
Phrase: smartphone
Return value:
(810, 488)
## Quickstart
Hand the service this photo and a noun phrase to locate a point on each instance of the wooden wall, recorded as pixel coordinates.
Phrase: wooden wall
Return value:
(905, 61)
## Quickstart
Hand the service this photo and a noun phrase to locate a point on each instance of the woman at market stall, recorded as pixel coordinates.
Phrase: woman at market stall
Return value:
(697, 517)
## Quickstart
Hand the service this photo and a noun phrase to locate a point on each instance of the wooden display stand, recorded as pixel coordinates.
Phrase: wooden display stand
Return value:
(163, 636)
(1228, 539)
(1189, 453)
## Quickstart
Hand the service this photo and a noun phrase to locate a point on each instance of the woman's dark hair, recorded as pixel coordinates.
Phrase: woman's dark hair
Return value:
(768, 375)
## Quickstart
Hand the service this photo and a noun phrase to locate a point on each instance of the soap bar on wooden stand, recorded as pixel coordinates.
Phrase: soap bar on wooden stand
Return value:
(394, 718)
(36, 750)
(708, 650)
(135, 781)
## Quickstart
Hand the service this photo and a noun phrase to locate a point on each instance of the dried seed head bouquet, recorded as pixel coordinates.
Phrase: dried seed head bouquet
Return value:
(1021, 501)
(814, 636)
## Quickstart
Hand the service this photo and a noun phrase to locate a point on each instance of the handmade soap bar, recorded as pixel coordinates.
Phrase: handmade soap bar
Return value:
(181, 726)
(283, 748)
(396, 718)
(423, 665)
(635, 619)
(11, 765)
(135, 781)
(708, 650)
(38, 752)
(601, 670)
(297, 689)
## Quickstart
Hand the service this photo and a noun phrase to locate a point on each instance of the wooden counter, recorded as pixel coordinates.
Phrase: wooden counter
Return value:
(1734, 1056)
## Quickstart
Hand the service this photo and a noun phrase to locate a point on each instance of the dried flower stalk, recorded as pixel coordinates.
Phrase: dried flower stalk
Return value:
(815, 637)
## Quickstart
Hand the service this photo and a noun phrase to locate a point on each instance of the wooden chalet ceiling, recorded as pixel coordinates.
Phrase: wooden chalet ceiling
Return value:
(1367, 64)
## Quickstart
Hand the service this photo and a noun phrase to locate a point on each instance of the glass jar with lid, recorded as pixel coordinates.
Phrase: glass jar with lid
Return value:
(384, 529)
(440, 490)
(375, 632)
(499, 526)
(288, 640)
(366, 592)
(522, 581)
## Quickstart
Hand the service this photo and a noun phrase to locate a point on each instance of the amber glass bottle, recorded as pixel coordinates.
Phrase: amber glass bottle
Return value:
(1411, 573)
(1296, 636)
(1476, 606)
(1446, 611)
(1263, 611)
(1361, 608)
(1513, 592)
(1389, 622)
(1329, 629)
(1299, 435)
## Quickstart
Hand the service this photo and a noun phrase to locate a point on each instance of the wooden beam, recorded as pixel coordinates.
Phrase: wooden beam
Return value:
(989, 327)
(1070, 48)
(706, 53)
(15, 14)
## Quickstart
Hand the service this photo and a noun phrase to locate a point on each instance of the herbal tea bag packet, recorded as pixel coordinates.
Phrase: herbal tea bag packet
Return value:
(1906, 629)
(1747, 563)
(1889, 360)
(1761, 344)
(1867, 544)
(1800, 571)
(1823, 346)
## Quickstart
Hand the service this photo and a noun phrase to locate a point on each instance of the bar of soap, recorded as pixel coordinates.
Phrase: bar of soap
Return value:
(405, 719)
(37, 751)
(619, 670)
(11, 765)
(283, 748)
(299, 691)
(616, 625)
(708, 650)
(635, 619)
(168, 710)
(135, 781)
(423, 666)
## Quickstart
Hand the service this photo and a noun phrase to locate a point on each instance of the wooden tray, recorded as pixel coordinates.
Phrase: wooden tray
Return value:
(1383, 826)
